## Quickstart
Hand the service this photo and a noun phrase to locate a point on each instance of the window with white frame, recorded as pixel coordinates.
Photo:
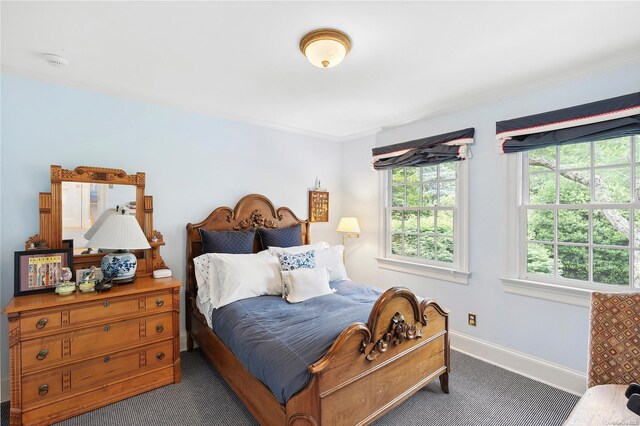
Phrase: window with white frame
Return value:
(580, 213)
(421, 213)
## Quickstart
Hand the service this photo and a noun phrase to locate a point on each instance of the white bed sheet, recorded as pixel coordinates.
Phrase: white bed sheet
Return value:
(205, 309)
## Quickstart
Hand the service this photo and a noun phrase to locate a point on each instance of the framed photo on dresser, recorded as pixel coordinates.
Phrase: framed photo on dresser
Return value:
(38, 271)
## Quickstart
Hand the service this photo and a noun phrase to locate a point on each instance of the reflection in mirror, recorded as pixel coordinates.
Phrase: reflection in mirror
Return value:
(87, 204)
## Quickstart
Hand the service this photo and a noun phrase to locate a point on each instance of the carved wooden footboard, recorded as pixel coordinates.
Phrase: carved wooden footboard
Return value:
(368, 370)
(372, 367)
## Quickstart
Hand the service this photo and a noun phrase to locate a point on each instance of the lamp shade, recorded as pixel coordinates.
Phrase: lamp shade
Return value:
(325, 48)
(94, 228)
(348, 224)
(119, 232)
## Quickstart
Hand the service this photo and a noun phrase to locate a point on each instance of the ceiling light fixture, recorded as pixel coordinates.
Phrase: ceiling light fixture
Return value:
(325, 48)
(55, 60)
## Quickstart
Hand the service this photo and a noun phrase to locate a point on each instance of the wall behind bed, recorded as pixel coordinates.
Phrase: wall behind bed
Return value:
(193, 163)
(545, 339)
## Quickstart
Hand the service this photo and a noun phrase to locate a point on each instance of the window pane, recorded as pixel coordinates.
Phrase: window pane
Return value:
(397, 175)
(636, 268)
(410, 223)
(396, 244)
(540, 225)
(540, 259)
(413, 174)
(413, 195)
(573, 226)
(542, 188)
(427, 248)
(611, 227)
(397, 196)
(611, 266)
(411, 245)
(612, 151)
(447, 193)
(575, 155)
(445, 222)
(573, 262)
(637, 228)
(429, 173)
(613, 185)
(575, 188)
(542, 159)
(636, 189)
(448, 170)
(445, 249)
(396, 222)
(426, 222)
(429, 194)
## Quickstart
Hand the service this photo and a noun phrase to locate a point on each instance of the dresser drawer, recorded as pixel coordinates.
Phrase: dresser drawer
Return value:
(42, 387)
(106, 308)
(46, 352)
(43, 322)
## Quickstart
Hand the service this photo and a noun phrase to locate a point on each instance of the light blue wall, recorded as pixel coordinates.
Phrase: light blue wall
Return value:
(551, 331)
(192, 162)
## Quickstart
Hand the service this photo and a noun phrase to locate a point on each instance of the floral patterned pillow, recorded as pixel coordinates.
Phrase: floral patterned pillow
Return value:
(291, 262)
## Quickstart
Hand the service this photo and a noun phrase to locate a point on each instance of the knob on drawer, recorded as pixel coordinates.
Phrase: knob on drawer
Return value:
(107, 358)
(42, 354)
(107, 327)
(159, 328)
(106, 303)
(42, 323)
(43, 390)
(160, 355)
(159, 301)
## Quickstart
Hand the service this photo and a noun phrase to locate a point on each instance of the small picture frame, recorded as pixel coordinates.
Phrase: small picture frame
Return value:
(318, 206)
(81, 274)
(39, 271)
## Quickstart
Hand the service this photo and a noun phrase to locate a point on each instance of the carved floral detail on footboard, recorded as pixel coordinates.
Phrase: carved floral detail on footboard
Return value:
(399, 331)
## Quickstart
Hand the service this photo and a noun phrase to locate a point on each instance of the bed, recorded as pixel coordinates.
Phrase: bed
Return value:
(370, 367)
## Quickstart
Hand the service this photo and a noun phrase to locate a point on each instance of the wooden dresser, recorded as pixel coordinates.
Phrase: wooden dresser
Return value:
(72, 354)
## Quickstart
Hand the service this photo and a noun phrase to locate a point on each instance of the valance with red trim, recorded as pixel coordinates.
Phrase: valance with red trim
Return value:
(431, 150)
(606, 119)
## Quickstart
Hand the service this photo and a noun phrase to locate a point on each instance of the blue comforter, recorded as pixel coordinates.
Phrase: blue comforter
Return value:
(276, 341)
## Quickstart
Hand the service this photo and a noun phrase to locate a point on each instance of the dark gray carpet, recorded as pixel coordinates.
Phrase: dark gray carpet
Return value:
(481, 394)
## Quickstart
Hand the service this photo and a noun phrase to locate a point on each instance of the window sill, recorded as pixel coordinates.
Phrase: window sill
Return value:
(555, 292)
(424, 270)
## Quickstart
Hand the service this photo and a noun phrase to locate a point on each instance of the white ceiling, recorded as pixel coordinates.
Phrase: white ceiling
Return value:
(240, 60)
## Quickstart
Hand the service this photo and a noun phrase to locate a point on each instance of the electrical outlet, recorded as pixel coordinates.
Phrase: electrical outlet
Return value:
(472, 319)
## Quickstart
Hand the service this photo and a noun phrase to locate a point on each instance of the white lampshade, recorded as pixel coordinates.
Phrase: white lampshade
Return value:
(325, 48)
(119, 232)
(348, 224)
(94, 228)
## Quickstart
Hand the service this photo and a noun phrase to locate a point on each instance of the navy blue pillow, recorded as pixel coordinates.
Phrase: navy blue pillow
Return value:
(232, 242)
(280, 237)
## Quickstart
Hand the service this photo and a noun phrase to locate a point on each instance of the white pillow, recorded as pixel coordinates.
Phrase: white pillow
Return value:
(332, 258)
(242, 276)
(304, 283)
(206, 278)
(298, 249)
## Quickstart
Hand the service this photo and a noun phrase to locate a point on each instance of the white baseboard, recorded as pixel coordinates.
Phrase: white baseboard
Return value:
(555, 375)
(4, 383)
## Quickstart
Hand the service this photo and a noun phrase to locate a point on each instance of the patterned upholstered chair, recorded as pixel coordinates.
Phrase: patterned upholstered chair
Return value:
(614, 360)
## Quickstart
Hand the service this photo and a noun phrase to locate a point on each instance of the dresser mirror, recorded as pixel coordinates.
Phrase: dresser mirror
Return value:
(79, 198)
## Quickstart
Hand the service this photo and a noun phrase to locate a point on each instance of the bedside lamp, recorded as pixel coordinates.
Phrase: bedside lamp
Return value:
(349, 226)
(119, 232)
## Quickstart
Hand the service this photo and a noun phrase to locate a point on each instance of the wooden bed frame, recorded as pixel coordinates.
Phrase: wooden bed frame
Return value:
(369, 369)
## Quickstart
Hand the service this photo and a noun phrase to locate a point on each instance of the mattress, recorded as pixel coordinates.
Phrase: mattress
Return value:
(276, 341)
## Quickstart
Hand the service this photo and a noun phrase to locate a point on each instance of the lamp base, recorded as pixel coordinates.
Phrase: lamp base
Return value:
(119, 267)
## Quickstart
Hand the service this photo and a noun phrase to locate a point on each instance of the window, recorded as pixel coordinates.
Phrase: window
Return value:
(580, 214)
(424, 228)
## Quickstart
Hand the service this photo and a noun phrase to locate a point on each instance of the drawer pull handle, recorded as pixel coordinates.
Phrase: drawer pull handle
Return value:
(159, 301)
(107, 327)
(42, 354)
(106, 303)
(159, 328)
(43, 390)
(42, 323)
(107, 358)
(160, 355)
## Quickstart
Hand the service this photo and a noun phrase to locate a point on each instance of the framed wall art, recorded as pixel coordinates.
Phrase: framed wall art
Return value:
(318, 206)
(38, 271)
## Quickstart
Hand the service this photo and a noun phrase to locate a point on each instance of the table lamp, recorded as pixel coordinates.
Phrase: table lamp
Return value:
(349, 226)
(119, 232)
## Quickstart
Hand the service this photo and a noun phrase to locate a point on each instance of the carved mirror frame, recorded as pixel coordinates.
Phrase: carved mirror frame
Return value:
(51, 215)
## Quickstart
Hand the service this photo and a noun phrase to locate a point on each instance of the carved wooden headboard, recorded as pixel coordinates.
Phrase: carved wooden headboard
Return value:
(252, 211)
